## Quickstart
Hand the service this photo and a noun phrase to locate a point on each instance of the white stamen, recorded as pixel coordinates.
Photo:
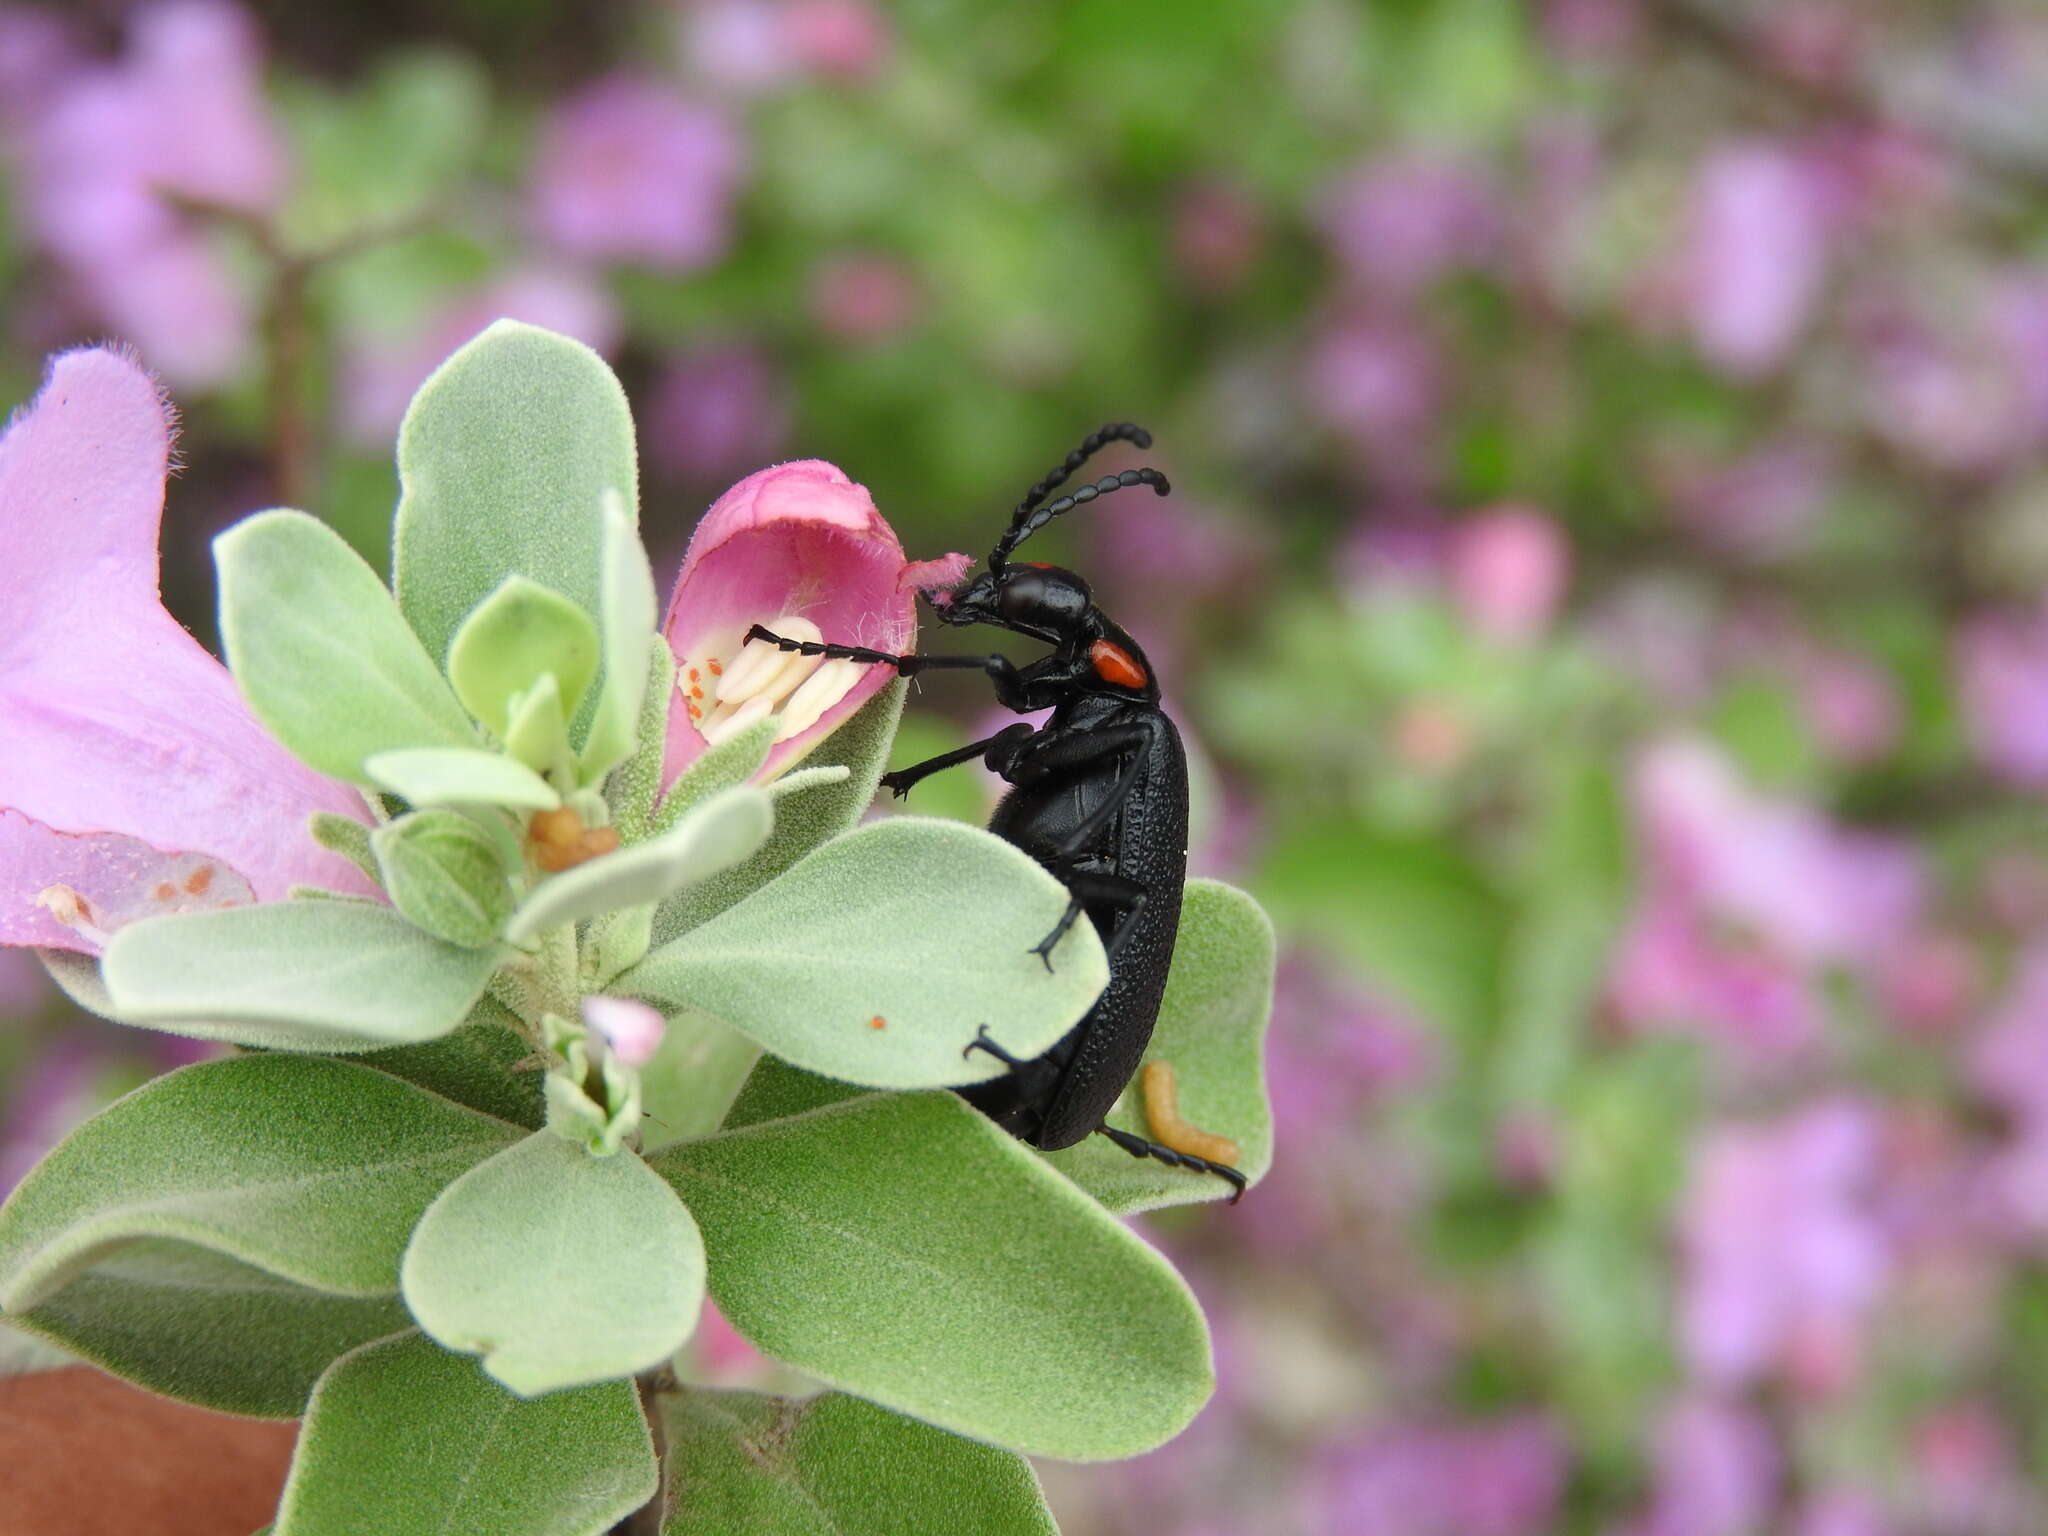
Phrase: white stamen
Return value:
(724, 727)
(820, 691)
(72, 910)
(762, 669)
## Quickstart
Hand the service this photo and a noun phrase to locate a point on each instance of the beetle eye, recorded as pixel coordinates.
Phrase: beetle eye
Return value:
(1022, 596)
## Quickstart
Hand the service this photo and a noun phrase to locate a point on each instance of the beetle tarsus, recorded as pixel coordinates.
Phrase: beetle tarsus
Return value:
(1138, 1146)
(984, 1042)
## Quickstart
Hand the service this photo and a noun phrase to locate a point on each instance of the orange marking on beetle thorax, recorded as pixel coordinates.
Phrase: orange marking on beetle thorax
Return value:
(1114, 664)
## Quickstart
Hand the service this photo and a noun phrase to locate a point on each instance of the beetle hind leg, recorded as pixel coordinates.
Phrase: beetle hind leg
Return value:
(1138, 1146)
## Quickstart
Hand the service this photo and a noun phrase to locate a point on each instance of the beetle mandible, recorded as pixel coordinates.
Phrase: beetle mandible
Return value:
(1099, 797)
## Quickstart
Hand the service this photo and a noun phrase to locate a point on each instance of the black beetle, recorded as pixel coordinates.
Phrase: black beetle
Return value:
(1099, 797)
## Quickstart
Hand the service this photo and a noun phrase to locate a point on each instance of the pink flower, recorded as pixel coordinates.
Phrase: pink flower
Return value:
(1783, 1249)
(865, 298)
(1379, 380)
(632, 1029)
(1756, 257)
(134, 780)
(1508, 569)
(747, 47)
(628, 170)
(1399, 222)
(382, 372)
(2002, 660)
(714, 411)
(800, 548)
(181, 115)
(1503, 1478)
(1717, 1471)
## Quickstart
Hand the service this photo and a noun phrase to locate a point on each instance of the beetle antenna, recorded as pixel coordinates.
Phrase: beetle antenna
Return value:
(1030, 521)
(1093, 443)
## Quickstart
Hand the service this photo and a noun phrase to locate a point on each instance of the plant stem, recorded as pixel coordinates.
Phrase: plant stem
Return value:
(647, 1519)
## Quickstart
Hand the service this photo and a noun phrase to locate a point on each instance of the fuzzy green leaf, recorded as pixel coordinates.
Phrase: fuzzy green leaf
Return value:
(689, 1087)
(714, 836)
(445, 874)
(206, 1329)
(802, 822)
(538, 731)
(346, 836)
(925, 925)
(832, 1464)
(479, 1065)
(520, 632)
(901, 1247)
(627, 611)
(775, 1090)
(1212, 1031)
(505, 458)
(404, 1439)
(633, 788)
(809, 778)
(559, 1268)
(320, 652)
(310, 1168)
(428, 776)
(728, 763)
(293, 975)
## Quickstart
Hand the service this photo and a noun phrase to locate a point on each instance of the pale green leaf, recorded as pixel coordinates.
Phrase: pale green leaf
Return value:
(504, 459)
(809, 778)
(486, 1065)
(803, 821)
(518, 634)
(1212, 1031)
(689, 1086)
(559, 1268)
(627, 612)
(346, 836)
(925, 925)
(427, 776)
(293, 975)
(831, 1465)
(902, 1248)
(775, 1090)
(23, 1353)
(207, 1329)
(728, 763)
(310, 1168)
(714, 836)
(320, 652)
(404, 1439)
(445, 874)
(538, 732)
(633, 788)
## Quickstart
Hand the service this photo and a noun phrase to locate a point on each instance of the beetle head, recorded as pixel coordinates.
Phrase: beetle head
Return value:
(1046, 601)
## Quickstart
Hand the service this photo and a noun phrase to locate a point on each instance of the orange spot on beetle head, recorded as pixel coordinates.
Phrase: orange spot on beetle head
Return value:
(1115, 665)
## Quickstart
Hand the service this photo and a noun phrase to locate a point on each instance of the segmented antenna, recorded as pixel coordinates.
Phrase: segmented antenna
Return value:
(1023, 524)
(1033, 520)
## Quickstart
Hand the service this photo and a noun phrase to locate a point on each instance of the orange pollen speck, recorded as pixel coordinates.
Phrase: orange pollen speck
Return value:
(878, 1022)
(696, 713)
(696, 693)
(716, 669)
(694, 675)
(1113, 664)
(164, 891)
(197, 882)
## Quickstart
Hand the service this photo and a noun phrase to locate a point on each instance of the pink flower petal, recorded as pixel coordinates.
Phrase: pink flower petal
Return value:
(110, 879)
(798, 539)
(116, 719)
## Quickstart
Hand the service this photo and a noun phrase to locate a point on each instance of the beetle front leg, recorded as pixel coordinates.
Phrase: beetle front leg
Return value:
(997, 667)
(900, 782)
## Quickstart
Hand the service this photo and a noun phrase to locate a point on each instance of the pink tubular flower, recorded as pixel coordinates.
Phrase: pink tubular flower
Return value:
(1757, 257)
(800, 548)
(134, 780)
(2002, 662)
(182, 115)
(1508, 570)
(628, 170)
